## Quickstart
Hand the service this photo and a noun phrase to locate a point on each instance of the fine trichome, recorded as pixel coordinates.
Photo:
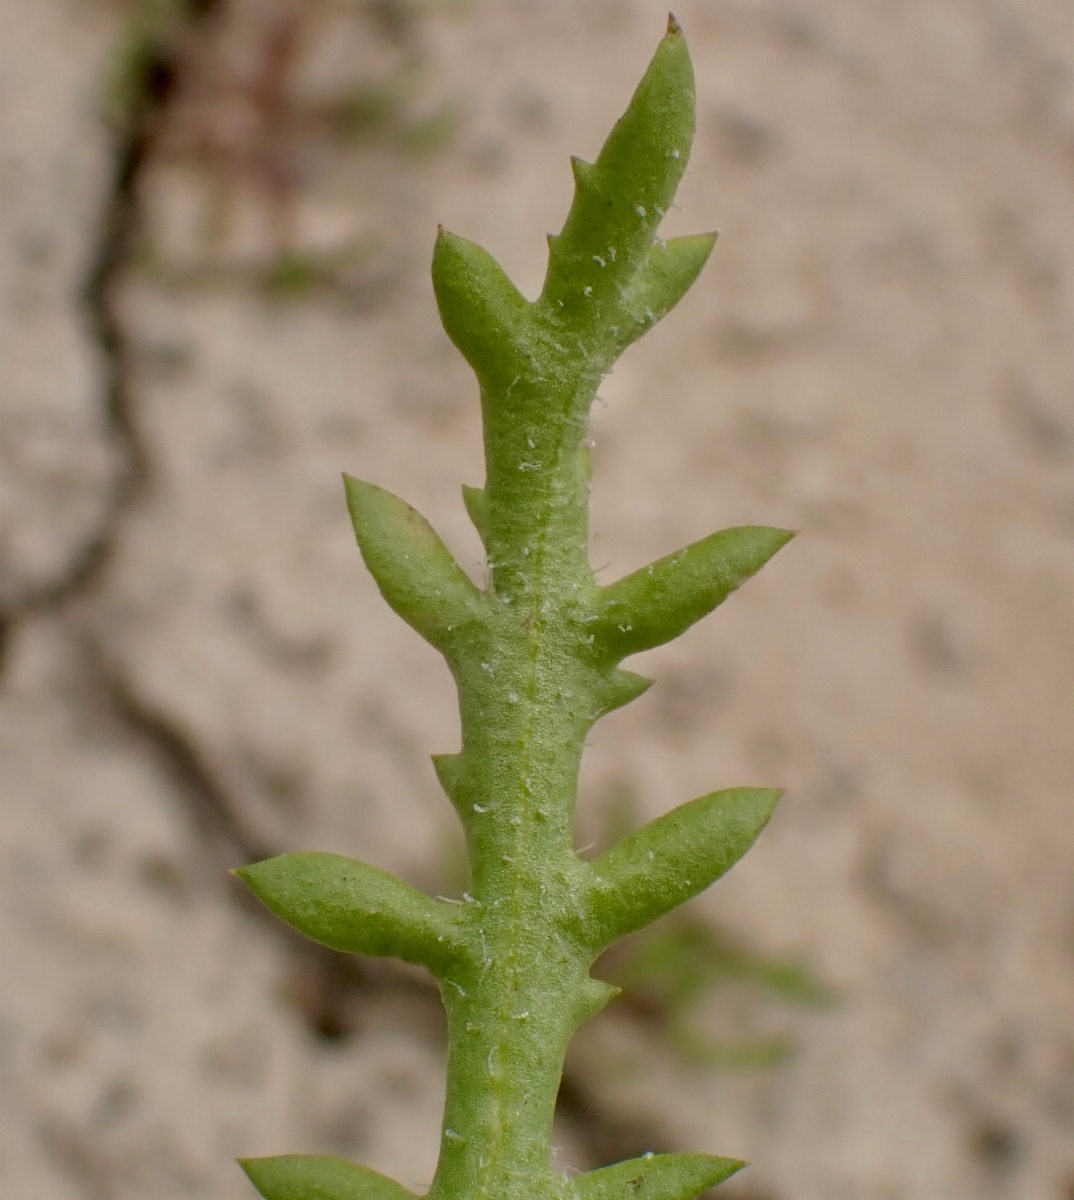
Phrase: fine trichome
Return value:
(535, 655)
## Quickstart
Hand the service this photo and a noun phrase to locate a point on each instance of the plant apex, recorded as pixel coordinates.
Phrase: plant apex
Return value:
(673, 25)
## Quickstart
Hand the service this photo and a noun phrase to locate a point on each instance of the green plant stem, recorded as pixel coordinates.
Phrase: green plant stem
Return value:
(535, 656)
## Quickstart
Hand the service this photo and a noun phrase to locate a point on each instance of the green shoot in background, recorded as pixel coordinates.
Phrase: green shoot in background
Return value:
(672, 969)
(535, 656)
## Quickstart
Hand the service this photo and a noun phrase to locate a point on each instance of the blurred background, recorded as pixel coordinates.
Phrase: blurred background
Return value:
(216, 218)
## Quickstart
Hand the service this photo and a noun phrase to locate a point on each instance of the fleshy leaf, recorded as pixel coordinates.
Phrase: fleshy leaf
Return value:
(318, 1177)
(621, 688)
(477, 508)
(448, 768)
(664, 599)
(671, 859)
(354, 907)
(670, 272)
(655, 1177)
(416, 573)
(594, 996)
(620, 199)
(481, 310)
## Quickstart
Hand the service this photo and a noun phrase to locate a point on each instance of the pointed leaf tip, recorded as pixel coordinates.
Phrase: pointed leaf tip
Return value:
(319, 1177)
(670, 271)
(619, 689)
(659, 602)
(656, 1177)
(673, 25)
(584, 172)
(477, 508)
(451, 773)
(620, 200)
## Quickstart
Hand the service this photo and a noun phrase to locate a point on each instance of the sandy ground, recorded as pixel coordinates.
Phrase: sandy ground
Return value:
(197, 671)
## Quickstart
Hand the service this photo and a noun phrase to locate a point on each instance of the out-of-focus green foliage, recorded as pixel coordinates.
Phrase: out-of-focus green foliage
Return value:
(668, 972)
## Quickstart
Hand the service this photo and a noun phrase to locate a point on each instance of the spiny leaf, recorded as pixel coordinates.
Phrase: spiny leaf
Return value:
(354, 907)
(672, 859)
(670, 272)
(416, 573)
(477, 508)
(664, 599)
(447, 768)
(655, 1177)
(620, 199)
(620, 688)
(482, 311)
(594, 996)
(318, 1177)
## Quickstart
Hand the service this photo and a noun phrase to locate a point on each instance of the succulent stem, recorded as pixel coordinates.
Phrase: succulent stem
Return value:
(536, 661)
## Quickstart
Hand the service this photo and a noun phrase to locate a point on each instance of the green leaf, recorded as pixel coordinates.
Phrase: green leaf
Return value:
(594, 996)
(670, 272)
(655, 1177)
(416, 573)
(354, 907)
(664, 599)
(482, 311)
(672, 859)
(477, 508)
(620, 199)
(449, 773)
(620, 688)
(318, 1177)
